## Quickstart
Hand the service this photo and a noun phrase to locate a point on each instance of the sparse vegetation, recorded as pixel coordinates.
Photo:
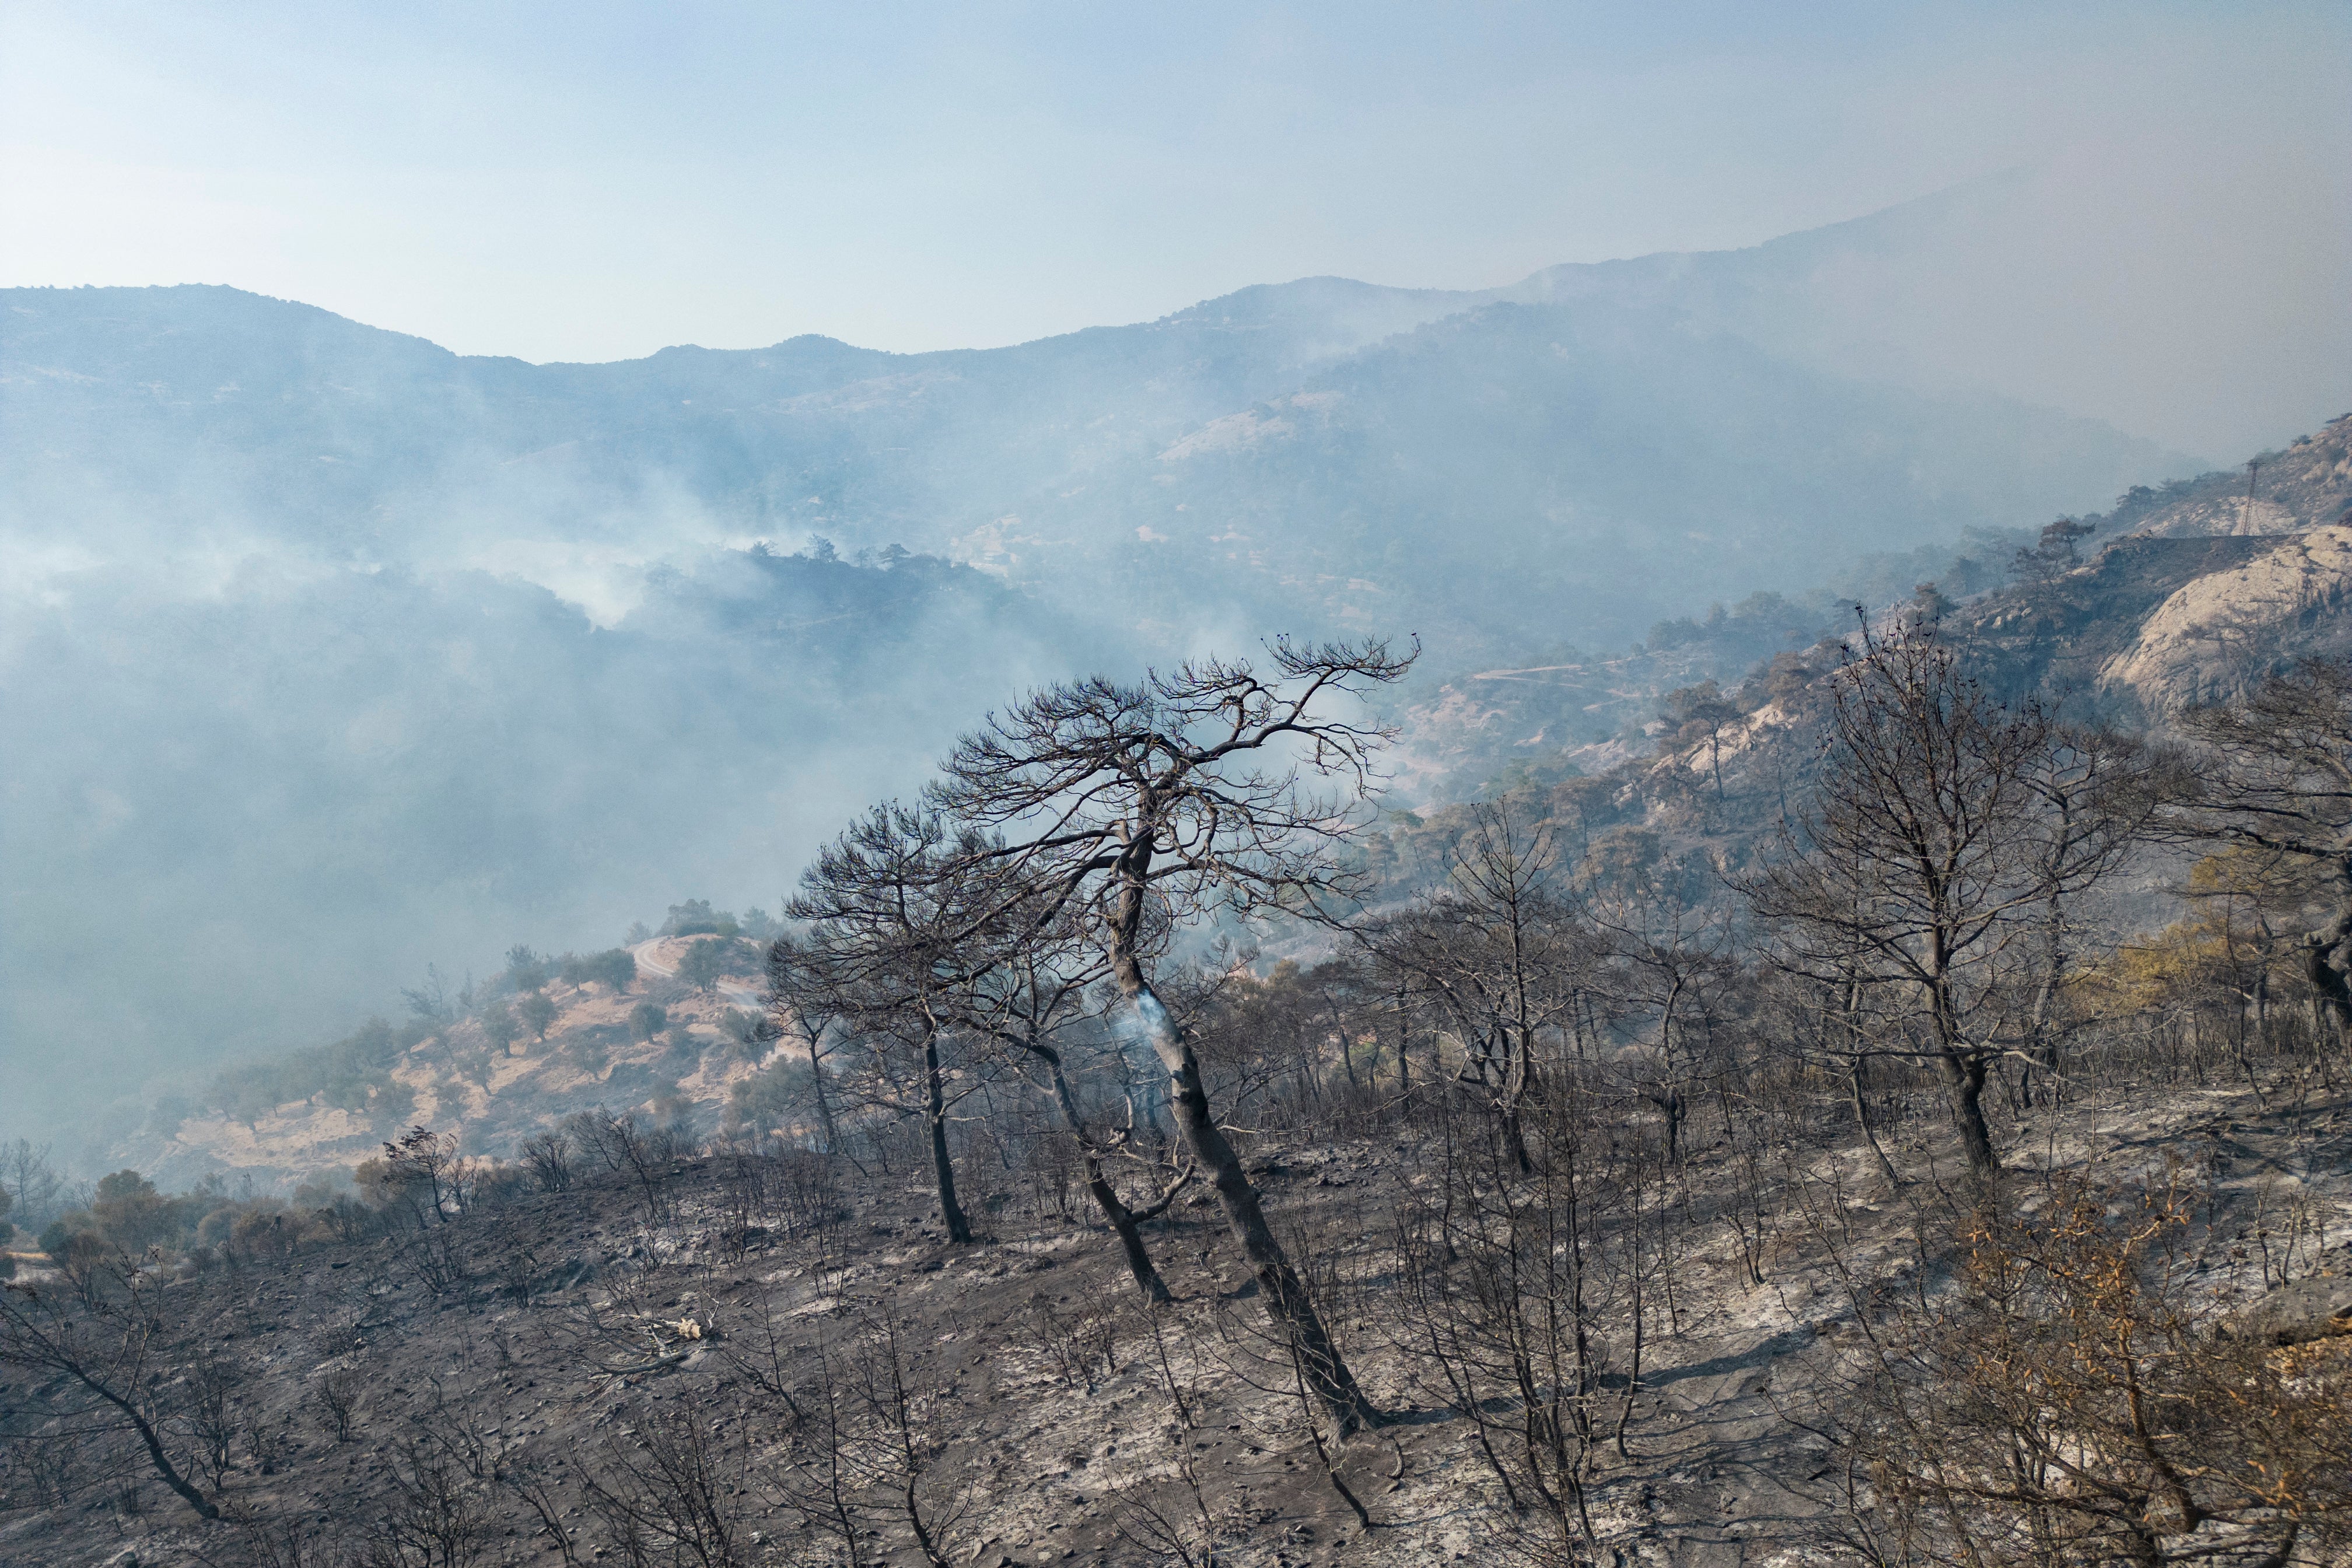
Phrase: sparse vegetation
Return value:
(536, 1012)
(616, 969)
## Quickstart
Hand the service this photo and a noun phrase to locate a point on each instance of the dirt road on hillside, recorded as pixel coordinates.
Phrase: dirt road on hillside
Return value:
(644, 953)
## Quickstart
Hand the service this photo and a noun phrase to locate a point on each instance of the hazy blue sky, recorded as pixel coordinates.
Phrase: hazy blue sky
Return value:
(591, 181)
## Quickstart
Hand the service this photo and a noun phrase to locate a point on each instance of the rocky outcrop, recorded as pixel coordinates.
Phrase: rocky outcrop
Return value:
(2314, 1308)
(2204, 643)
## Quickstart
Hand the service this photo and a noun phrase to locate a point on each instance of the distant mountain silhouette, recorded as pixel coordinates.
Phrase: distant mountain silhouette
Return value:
(1593, 449)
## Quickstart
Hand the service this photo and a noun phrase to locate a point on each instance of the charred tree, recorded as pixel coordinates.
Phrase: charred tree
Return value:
(1926, 861)
(2274, 777)
(1137, 806)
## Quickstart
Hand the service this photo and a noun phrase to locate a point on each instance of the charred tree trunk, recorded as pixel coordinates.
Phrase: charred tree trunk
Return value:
(2323, 951)
(1857, 1066)
(1519, 1078)
(935, 1112)
(155, 1454)
(35, 1337)
(1285, 1295)
(1122, 1219)
(1514, 1139)
(824, 1106)
(1404, 1036)
(2043, 1052)
(1862, 1122)
(1131, 1234)
(1963, 1066)
(1964, 1080)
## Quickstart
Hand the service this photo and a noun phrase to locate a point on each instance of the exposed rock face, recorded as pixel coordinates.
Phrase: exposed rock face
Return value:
(2201, 644)
(2210, 585)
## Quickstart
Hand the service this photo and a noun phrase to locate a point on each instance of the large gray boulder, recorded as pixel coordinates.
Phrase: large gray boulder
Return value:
(2307, 1310)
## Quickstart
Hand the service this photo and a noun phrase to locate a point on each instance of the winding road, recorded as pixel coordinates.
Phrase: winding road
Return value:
(644, 954)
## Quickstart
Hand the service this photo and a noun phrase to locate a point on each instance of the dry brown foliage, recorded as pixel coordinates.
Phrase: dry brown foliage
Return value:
(2063, 1398)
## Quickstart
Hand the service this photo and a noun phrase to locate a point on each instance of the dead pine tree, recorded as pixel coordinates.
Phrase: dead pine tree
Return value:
(1141, 807)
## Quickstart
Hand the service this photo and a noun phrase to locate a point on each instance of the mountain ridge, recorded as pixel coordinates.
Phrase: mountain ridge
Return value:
(1534, 287)
(297, 434)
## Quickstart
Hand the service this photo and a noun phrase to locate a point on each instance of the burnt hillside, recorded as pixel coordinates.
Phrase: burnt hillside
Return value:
(600, 1372)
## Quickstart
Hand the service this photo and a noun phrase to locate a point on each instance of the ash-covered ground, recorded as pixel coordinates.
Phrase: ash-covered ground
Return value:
(777, 1359)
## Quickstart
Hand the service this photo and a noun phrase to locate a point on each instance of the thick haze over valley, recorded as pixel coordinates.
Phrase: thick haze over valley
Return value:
(327, 654)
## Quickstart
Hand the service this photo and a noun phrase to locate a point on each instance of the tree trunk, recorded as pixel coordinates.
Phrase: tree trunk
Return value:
(1130, 1234)
(2038, 1033)
(1514, 1139)
(1964, 1079)
(936, 1112)
(2043, 1053)
(1963, 1069)
(1669, 1098)
(1404, 1068)
(1279, 1286)
(824, 1106)
(2321, 950)
(1862, 1120)
(1122, 1218)
(1671, 1105)
(1519, 1077)
(147, 1435)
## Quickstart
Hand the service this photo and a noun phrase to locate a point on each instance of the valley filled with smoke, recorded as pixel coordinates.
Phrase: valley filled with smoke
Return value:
(328, 655)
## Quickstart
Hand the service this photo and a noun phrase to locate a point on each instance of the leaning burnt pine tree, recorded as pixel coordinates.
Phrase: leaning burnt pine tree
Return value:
(1213, 787)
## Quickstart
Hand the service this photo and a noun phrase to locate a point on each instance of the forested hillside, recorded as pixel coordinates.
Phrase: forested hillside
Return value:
(1328, 449)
